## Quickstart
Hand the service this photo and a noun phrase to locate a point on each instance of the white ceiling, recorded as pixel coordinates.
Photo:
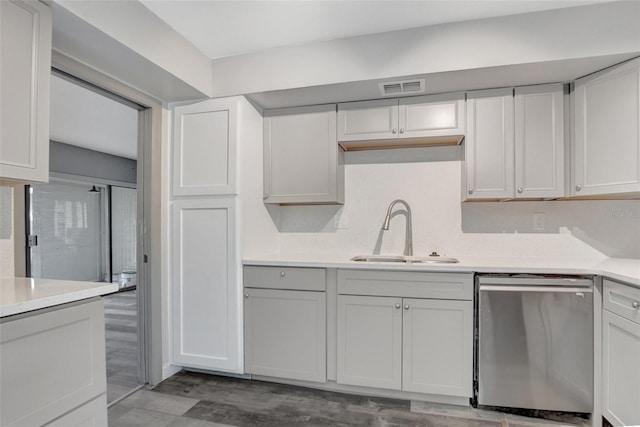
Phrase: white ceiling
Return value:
(84, 118)
(222, 28)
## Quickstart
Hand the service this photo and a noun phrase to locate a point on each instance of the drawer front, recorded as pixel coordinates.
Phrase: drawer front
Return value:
(295, 278)
(622, 299)
(455, 286)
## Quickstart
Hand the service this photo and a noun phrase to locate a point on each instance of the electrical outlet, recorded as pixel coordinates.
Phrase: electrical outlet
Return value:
(538, 222)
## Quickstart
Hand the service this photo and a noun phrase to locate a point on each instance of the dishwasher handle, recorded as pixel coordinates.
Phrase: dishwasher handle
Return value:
(533, 288)
(534, 281)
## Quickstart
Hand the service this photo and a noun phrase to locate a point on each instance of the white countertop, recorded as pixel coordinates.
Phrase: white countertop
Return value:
(626, 270)
(22, 294)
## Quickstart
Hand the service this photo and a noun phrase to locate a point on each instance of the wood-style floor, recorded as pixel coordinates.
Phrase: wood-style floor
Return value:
(121, 333)
(200, 400)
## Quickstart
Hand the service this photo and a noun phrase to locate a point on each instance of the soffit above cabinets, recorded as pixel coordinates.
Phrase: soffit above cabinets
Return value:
(561, 71)
(227, 28)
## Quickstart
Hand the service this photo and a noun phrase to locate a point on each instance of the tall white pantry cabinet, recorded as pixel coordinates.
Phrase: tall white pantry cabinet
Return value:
(208, 192)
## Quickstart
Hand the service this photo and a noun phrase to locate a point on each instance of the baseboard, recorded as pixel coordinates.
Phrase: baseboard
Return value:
(169, 370)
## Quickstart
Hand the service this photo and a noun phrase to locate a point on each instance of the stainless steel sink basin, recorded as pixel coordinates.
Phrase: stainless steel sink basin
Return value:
(405, 259)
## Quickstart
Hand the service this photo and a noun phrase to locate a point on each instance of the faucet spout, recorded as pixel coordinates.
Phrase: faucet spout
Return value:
(408, 244)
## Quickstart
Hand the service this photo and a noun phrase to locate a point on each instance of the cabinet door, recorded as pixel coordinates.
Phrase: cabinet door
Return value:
(620, 370)
(52, 363)
(432, 115)
(92, 414)
(368, 120)
(285, 334)
(204, 148)
(489, 151)
(437, 347)
(25, 72)
(607, 140)
(205, 295)
(539, 141)
(302, 160)
(369, 347)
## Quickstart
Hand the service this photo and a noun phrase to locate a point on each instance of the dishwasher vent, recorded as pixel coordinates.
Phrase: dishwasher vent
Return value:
(406, 87)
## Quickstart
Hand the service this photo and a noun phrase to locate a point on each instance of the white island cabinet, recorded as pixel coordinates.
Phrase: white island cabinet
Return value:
(606, 143)
(52, 353)
(621, 354)
(25, 71)
(406, 331)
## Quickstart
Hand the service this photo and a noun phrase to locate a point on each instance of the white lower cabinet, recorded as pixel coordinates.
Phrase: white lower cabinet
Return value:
(52, 363)
(416, 338)
(437, 346)
(621, 354)
(285, 334)
(370, 341)
(92, 414)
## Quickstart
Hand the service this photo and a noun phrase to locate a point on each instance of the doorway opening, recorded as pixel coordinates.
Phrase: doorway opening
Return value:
(84, 224)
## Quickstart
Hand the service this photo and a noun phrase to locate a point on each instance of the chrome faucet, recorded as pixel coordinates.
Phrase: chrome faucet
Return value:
(408, 243)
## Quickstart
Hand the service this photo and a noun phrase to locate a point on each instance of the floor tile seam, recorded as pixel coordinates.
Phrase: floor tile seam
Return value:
(126, 405)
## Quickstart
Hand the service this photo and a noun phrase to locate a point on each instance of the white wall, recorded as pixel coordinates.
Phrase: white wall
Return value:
(135, 26)
(580, 32)
(6, 232)
(429, 179)
(259, 234)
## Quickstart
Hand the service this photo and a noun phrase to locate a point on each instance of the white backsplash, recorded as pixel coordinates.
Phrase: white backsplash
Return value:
(430, 181)
(6, 232)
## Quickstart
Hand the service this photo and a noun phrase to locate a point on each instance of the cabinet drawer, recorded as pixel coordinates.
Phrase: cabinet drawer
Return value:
(304, 279)
(622, 299)
(406, 284)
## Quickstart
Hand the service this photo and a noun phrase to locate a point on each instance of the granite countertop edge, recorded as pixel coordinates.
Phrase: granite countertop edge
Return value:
(21, 295)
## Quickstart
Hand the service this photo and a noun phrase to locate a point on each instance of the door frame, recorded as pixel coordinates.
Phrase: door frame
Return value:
(150, 194)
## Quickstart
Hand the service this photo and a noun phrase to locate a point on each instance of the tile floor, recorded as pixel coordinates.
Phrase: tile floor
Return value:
(121, 333)
(200, 400)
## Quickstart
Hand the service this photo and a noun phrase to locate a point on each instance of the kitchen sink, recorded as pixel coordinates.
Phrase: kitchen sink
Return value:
(405, 259)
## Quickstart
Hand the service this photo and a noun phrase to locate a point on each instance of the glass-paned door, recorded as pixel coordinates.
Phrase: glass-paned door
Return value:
(67, 232)
(124, 204)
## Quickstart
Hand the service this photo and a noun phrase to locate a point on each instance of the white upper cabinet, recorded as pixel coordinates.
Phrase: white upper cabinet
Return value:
(606, 138)
(25, 71)
(302, 160)
(403, 119)
(539, 141)
(489, 148)
(204, 144)
(431, 116)
(515, 146)
(367, 120)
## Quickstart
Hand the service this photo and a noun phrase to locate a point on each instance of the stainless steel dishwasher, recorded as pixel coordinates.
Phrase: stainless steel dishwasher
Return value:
(535, 342)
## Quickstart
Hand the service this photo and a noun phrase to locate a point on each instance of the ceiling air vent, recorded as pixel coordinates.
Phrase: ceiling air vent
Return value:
(407, 87)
